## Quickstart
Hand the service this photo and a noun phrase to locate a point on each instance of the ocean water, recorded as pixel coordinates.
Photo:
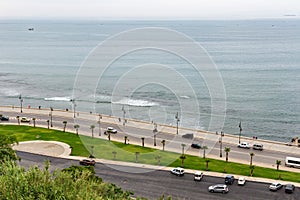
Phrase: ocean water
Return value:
(259, 62)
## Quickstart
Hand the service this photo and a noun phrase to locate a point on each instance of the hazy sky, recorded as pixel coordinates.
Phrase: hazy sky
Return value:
(149, 9)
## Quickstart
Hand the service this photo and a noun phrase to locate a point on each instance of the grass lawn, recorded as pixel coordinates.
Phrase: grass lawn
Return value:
(124, 152)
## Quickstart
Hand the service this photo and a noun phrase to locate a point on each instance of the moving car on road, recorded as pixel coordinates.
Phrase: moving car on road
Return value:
(196, 146)
(275, 186)
(289, 188)
(229, 179)
(198, 176)
(177, 171)
(111, 130)
(241, 181)
(25, 120)
(218, 188)
(244, 145)
(4, 118)
(87, 162)
(258, 147)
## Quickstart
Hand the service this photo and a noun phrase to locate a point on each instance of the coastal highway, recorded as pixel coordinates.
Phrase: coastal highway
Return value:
(266, 158)
(156, 183)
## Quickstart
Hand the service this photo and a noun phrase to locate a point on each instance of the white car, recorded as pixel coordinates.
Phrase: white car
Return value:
(245, 145)
(198, 176)
(177, 171)
(241, 181)
(111, 130)
(218, 188)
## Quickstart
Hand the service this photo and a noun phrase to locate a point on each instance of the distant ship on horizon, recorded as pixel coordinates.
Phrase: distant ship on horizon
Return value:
(31, 29)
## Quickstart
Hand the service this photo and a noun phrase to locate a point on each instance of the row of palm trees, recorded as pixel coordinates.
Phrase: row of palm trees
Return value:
(163, 142)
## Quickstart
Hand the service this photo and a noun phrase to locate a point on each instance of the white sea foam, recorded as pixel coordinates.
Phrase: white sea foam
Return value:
(184, 97)
(58, 99)
(136, 102)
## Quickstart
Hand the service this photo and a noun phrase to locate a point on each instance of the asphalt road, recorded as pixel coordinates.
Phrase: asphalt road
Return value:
(156, 183)
(265, 157)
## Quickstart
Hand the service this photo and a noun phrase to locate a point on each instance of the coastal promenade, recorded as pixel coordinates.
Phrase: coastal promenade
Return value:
(145, 129)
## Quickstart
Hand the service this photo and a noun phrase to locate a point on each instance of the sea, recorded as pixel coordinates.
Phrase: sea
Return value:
(258, 62)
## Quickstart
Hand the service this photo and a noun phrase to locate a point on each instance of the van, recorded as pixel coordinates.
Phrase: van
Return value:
(258, 147)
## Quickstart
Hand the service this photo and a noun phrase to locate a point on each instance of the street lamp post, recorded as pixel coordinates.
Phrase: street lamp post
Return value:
(124, 113)
(240, 126)
(154, 134)
(74, 106)
(220, 141)
(21, 102)
(99, 122)
(177, 121)
(51, 109)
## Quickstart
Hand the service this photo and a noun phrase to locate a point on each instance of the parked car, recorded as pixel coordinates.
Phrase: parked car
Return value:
(198, 176)
(178, 171)
(289, 188)
(87, 162)
(241, 181)
(218, 188)
(196, 146)
(229, 179)
(4, 118)
(25, 119)
(111, 130)
(275, 186)
(258, 147)
(245, 145)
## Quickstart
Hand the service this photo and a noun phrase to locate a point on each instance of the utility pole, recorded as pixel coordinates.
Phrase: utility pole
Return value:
(220, 141)
(21, 102)
(51, 109)
(124, 113)
(240, 126)
(154, 134)
(99, 122)
(177, 122)
(74, 106)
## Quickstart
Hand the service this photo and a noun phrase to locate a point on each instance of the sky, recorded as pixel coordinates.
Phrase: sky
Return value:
(148, 9)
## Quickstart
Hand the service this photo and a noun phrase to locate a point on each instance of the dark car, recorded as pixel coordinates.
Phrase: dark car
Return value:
(289, 188)
(229, 179)
(196, 146)
(87, 162)
(4, 118)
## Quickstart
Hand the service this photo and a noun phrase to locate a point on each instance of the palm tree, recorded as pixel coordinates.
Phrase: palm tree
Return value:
(158, 157)
(125, 139)
(251, 170)
(278, 162)
(182, 157)
(48, 123)
(33, 119)
(183, 145)
(251, 157)
(143, 141)
(137, 156)
(227, 150)
(115, 154)
(76, 126)
(163, 143)
(92, 127)
(207, 161)
(204, 148)
(65, 125)
(18, 118)
(108, 135)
